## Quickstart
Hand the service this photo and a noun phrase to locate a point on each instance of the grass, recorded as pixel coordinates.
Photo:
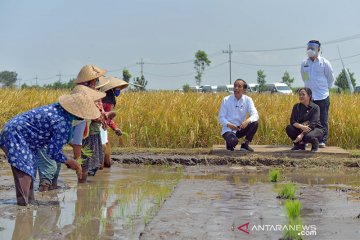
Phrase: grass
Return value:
(287, 191)
(292, 209)
(274, 175)
(292, 233)
(175, 120)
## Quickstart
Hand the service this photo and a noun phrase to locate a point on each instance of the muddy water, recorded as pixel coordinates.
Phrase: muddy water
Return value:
(213, 202)
(207, 203)
(115, 204)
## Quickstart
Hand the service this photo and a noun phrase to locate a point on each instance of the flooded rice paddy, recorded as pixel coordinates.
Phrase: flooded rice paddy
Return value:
(198, 202)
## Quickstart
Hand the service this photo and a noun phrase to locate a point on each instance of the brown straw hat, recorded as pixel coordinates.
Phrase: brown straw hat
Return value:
(80, 105)
(94, 94)
(88, 73)
(102, 82)
(114, 83)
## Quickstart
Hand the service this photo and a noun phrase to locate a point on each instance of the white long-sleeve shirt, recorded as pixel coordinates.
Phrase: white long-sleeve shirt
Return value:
(234, 111)
(318, 76)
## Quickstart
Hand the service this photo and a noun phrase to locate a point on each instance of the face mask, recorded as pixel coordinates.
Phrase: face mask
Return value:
(311, 53)
(117, 92)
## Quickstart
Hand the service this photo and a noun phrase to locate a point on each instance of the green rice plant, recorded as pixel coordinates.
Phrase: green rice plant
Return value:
(292, 209)
(125, 134)
(146, 218)
(287, 191)
(86, 152)
(294, 229)
(274, 175)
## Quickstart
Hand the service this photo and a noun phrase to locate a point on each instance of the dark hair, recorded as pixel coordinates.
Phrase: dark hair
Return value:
(315, 41)
(245, 85)
(307, 90)
(110, 97)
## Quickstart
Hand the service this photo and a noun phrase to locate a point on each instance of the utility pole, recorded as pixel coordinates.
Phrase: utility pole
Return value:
(19, 79)
(36, 80)
(347, 75)
(229, 52)
(142, 66)
(59, 75)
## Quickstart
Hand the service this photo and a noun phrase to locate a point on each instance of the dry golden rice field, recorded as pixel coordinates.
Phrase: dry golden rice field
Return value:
(175, 120)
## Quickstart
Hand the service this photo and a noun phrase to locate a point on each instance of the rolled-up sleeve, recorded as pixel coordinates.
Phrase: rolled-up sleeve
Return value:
(254, 115)
(78, 133)
(222, 114)
(329, 73)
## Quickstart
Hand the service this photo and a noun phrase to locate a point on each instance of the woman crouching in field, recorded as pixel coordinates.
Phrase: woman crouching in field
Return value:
(51, 126)
(112, 90)
(89, 76)
(49, 169)
(305, 124)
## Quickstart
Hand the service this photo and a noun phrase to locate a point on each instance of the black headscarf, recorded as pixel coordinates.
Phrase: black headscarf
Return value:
(110, 97)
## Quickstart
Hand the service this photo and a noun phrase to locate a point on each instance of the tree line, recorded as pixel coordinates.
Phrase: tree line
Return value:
(201, 62)
(9, 78)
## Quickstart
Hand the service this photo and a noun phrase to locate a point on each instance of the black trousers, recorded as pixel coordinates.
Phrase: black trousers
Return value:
(324, 106)
(231, 138)
(309, 137)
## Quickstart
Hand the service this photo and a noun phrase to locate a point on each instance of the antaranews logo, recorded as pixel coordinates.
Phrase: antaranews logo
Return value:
(303, 230)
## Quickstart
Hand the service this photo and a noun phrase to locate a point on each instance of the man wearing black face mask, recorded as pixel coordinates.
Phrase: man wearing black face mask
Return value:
(317, 74)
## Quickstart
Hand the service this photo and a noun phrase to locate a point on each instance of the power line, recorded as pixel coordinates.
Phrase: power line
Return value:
(289, 65)
(185, 74)
(181, 62)
(356, 36)
(121, 69)
(170, 76)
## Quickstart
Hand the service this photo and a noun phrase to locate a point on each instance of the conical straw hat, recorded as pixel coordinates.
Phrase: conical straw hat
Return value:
(80, 105)
(88, 73)
(95, 95)
(102, 82)
(114, 83)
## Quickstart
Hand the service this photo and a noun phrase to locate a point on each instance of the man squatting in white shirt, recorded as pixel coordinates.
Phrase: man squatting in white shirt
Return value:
(232, 117)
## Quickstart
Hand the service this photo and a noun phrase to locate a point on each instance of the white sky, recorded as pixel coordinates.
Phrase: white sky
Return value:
(42, 38)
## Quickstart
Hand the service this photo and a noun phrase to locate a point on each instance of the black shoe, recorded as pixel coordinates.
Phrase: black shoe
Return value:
(245, 147)
(315, 146)
(298, 147)
(229, 148)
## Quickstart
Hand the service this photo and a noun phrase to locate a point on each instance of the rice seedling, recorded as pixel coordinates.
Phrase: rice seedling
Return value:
(287, 191)
(146, 218)
(86, 152)
(294, 222)
(274, 175)
(293, 230)
(292, 209)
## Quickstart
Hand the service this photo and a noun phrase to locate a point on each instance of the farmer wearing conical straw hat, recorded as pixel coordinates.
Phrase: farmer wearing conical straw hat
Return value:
(112, 90)
(31, 131)
(49, 169)
(89, 76)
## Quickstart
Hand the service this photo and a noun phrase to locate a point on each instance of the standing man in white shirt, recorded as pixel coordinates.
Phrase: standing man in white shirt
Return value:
(232, 117)
(317, 74)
